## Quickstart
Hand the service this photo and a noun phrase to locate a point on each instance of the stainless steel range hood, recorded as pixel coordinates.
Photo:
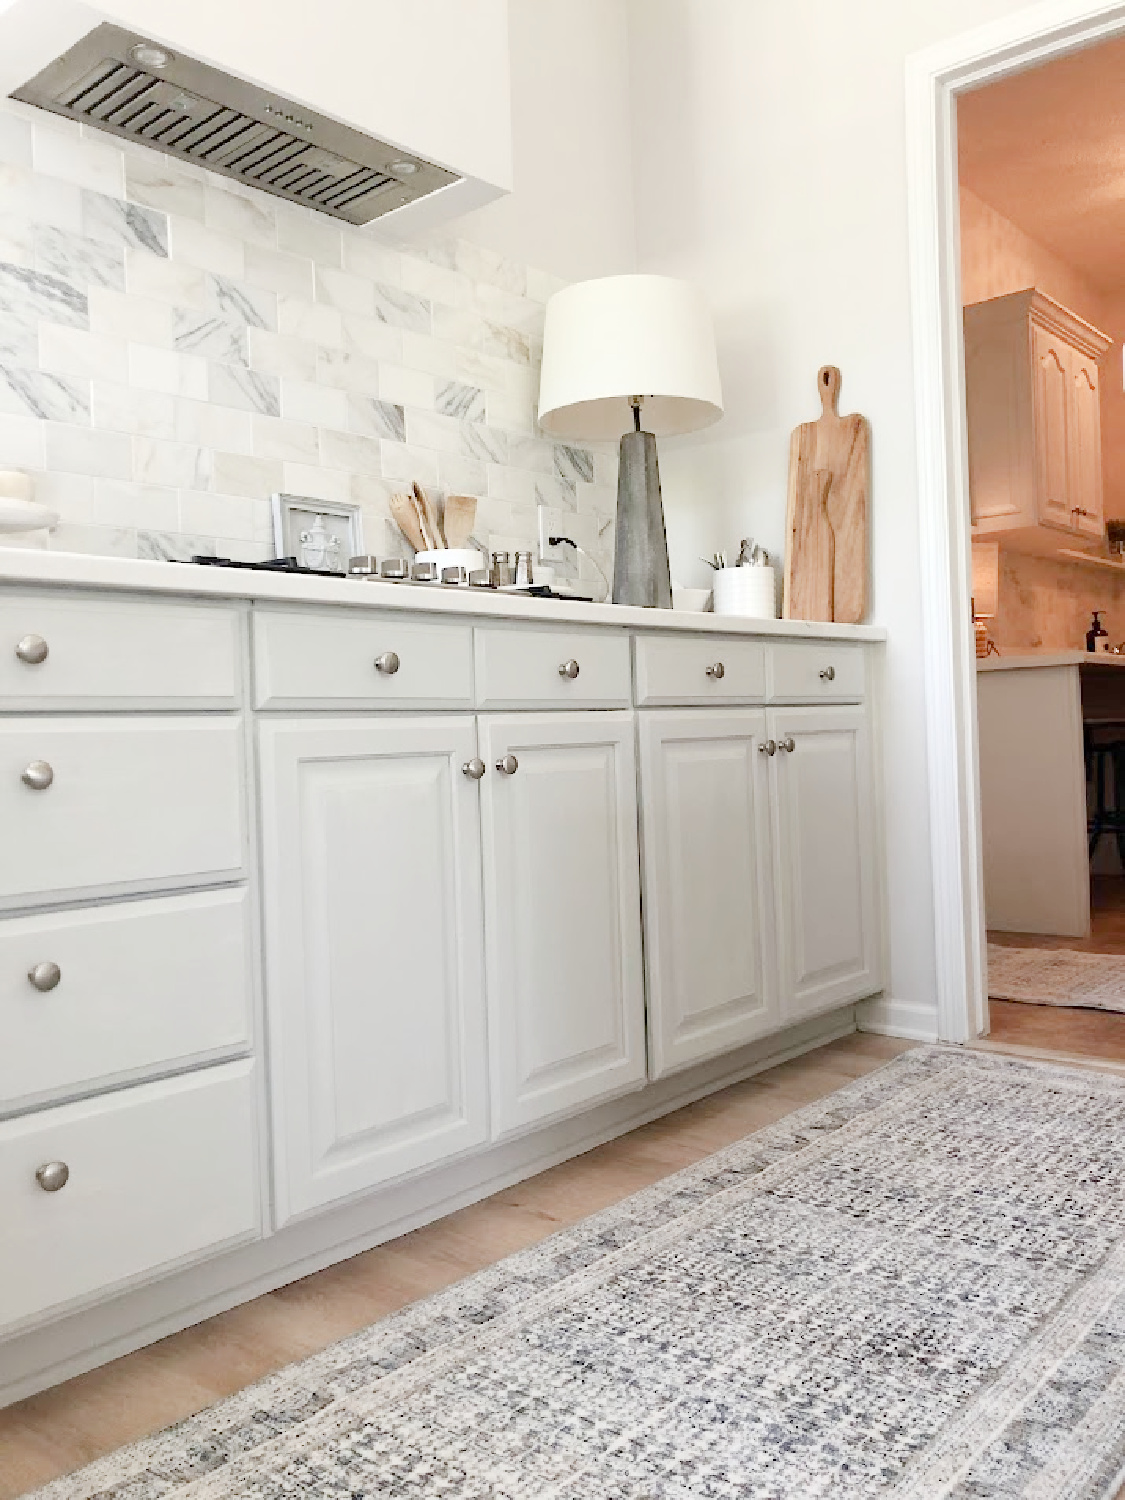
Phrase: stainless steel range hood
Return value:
(124, 83)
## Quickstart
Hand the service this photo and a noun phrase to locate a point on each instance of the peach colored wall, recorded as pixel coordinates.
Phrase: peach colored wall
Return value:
(1044, 602)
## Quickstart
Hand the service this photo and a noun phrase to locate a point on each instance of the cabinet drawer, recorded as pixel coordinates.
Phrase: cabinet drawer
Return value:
(325, 660)
(158, 1175)
(817, 672)
(523, 668)
(132, 802)
(701, 669)
(103, 653)
(141, 985)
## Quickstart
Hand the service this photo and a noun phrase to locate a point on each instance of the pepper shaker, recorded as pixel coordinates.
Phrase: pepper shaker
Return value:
(524, 576)
(501, 570)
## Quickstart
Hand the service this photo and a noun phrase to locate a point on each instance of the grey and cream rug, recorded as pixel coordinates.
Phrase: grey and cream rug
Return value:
(913, 1288)
(1056, 976)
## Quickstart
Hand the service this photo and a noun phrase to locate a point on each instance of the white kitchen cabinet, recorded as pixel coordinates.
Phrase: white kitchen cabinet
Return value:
(709, 946)
(1034, 421)
(562, 909)
(373, 921)
(825, 858)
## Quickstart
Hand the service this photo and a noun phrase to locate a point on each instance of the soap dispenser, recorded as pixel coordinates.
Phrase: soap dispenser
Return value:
(1096, 629)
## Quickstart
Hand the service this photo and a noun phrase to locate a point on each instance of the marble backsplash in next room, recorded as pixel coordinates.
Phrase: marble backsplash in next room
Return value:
(174, 348)
(1045, 602)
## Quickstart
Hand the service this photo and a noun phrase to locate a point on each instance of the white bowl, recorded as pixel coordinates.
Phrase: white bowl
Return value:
(694, 599)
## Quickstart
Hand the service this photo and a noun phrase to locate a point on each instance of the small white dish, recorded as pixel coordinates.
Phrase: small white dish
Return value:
(697, 600)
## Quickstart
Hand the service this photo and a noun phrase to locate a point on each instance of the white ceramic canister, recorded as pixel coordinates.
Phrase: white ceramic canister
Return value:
(749, 592)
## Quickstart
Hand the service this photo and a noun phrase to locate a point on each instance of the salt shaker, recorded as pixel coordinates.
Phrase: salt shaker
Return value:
(524, 576)
(501, 570)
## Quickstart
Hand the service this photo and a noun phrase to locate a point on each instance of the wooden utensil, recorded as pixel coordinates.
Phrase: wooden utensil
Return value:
(826, 523)
(430, 526)
(459, 519)
(405, 515)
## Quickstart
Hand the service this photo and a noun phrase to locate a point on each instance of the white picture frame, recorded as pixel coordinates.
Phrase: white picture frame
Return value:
(336, 531)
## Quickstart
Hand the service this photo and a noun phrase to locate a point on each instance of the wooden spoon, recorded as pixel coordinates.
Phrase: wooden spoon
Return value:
(459, 519)
(429, 517)
(405, 514)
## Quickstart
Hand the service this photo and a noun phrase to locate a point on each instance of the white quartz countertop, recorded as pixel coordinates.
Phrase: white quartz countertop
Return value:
(1023, 659)
(29, 568)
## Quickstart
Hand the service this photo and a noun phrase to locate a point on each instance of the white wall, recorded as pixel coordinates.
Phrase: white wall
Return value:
(770, 168)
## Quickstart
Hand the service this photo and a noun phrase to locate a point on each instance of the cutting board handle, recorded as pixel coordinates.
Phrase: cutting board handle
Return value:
(828, 384)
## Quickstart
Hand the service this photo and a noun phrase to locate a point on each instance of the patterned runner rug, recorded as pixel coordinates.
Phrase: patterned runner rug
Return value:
(1056, 976)
(913, 1288)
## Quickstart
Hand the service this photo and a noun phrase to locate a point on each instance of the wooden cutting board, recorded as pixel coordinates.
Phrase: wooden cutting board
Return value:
(826, 521)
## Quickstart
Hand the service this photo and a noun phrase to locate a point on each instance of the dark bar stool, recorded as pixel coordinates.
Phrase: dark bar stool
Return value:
(1104, 746)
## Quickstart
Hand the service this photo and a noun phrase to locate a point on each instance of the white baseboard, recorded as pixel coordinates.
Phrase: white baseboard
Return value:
(91, 1337)
(906, 1018)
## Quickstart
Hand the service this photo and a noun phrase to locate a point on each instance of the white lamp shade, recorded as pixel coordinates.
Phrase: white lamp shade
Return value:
(621, 336)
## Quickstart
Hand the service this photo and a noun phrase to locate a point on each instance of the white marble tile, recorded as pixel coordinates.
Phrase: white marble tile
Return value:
(15, 141)
(278, 272)
(348, 370)
(22, 444)
(517, 486)
(430, 356)
(479, 263)
(37, 393)
(17, 244)
(43, 200)
(237, 474)
(302, 232)
(113, 221)
(82, 450)
(462, 476)
(346, 450)
(124, 503)
(467, 329)
(605, 464)
(165, 280)
(219, 515)
(218, 427)
(531, 453)
(72, 495)
(508, 310)
(95, 164)
(436, 283)
(295, 442)
(401, 309)
(246, 215)
(84, 262)
(372, 337)
(374, 494)
(137, 319)
(153, 369)
(27, 294)
(123, 408)
(375, 418)
(161, 182)
(553, 492)
(196, 245)
(542, 286)
(573, 463)
(367, 256)
(232, 385)
(75, 351)
(454, 398)
(255, 307)
(315, 480)
(174, 546)
(211, 335)
(277, 354)
(96, 541)
(311, 321)
(178, 465)
(307, 401)
(488, 444)
(512, 412)
(404, 463)
(406, 387)
(426, 429)
(342, 289)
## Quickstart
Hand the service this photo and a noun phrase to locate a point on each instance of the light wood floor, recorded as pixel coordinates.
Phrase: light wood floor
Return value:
(61, 1429)
(1075, 1030)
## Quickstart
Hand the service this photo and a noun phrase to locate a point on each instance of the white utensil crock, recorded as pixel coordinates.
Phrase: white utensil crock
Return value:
(746, 591)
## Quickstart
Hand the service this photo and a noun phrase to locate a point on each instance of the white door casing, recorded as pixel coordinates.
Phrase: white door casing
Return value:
(372, 905)
(562, 914)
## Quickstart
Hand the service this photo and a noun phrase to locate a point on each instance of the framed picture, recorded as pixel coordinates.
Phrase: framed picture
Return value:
(320, 534)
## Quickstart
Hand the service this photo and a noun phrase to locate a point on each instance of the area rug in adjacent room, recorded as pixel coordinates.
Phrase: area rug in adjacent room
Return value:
(1056, 976)
(913, 1288)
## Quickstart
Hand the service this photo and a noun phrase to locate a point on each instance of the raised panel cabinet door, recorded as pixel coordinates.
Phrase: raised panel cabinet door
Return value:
(708, 912)
(827, 907)
(562, 913)
(1051, 405)
(374, 966)
(1085, 453)
(995, 378)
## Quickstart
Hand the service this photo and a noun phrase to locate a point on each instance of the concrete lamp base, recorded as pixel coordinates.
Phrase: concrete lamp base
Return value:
(641, 574)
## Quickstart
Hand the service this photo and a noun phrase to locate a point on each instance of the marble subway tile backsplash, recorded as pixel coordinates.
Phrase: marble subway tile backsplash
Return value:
(174, 348)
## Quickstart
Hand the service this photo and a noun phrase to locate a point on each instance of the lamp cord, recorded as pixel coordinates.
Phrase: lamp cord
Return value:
(568, 541)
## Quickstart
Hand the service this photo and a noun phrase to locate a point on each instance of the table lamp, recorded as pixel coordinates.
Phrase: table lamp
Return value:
(614, 350)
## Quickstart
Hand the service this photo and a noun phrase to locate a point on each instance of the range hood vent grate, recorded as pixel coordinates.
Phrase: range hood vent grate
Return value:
(195, 112)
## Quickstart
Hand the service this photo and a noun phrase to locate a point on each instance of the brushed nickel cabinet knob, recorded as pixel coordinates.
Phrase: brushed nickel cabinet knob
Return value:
(388, 663)
(788, 743)
(828, 674)
(52, 1175)
(508, 765)
(474, 769)
(768, 747)
(32, 649)
(44, 976)
(569, 669)
(38, 776)
(716, 671)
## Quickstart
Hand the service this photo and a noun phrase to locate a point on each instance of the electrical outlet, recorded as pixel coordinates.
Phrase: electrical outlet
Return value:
(548, 521)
